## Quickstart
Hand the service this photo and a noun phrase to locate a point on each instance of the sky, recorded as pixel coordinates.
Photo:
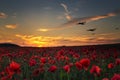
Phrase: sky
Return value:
(44, 23)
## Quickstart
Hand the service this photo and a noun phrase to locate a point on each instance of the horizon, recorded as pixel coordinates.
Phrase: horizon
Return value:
(12, 44)
(59, 22)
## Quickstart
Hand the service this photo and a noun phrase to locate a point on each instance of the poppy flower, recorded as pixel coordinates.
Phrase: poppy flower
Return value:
(94, 56)
(85, 63)
(2, 73)
(76, 56)
(110, 65)
(52, 68)
(36, 72)
(67, 68)
(117, 61)
(42, 70)
(43, 60)
(51, 61)
(116, 77)
(70, 64)
(95, 70)
(67, 58)
(9, 71)
(14, 66)
(6, 78)
(78, 65)
(32, 62)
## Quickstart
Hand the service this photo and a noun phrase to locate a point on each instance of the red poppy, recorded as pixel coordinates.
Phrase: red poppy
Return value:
(116, 77)
(94, 56)
(5, 78)
(67, 68)
(42, 69)
(14, 65)
(117, 62)
(85, 63)
(43, 60)
(76, 56)
(2, 73)
(32, 62)
(9, 71)
(67, 58)
(51, 61)
(52, 68)
(36, 72)
(110, 65)
(70, 64)
(95, 70)
(78, 65)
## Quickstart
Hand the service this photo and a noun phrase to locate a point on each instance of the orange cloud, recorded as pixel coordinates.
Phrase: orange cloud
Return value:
(75, 21)
(41, 41)
(2, 15)
(11, 26)
(43, 30)
(35, 40)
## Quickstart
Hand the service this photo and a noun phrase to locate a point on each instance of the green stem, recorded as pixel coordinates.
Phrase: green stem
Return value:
(61, 75)
(68, 76)
(53, 76)
(96, 78)
(45, 75)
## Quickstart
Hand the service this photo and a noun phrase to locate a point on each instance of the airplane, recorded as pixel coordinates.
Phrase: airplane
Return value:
(91, 29)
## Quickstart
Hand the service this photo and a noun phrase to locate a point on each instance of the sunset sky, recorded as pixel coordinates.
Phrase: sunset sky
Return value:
(43, 23)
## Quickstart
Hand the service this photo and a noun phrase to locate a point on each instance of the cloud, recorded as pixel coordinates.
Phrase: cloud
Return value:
(36, 40)
(76, 21)
(65, 7)
(67, 14)
(43, 30)
(48, 29)
(104, 40)
(84, 20)
(2, 15)
(11, 26)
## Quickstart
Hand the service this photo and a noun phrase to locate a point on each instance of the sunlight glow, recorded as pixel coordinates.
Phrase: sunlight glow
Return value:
(43, 30)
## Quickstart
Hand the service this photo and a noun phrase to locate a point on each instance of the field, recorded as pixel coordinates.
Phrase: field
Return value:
(60, 63)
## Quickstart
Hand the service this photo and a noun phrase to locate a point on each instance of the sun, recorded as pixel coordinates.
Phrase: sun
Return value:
(40, 43)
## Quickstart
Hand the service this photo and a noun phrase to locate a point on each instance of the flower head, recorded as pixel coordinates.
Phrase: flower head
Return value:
(78, 65)
(14, 65)
(110, 65)
(43, 60)
(116, 77)
(117, 62)
(32, 62)
(85, 63)
(95, 70)
(67, 68)
(52, 68)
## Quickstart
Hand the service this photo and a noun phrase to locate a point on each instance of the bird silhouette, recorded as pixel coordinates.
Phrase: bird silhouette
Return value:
(81, 23)
(93, 29)
(117, 28)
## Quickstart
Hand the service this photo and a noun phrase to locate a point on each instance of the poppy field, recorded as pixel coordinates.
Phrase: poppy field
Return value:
(60, 63)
